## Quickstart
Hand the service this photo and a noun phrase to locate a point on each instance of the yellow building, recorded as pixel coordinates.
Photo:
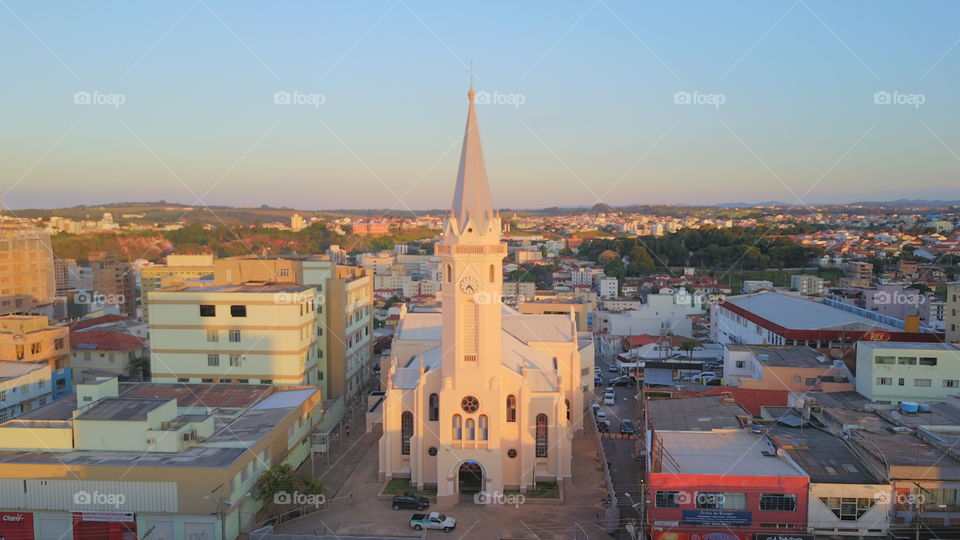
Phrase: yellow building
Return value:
(175, 461)
(480, 397)
(30, 338)
(26, 268)
(250, 333)
(178, 270)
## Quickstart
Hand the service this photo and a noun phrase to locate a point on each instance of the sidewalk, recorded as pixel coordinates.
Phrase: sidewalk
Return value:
(335, 467)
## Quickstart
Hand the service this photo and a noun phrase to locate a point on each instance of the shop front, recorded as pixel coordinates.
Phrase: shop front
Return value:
(16, 526)
(104, 526)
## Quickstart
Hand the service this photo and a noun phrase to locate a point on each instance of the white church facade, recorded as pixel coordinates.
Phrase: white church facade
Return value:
(480, 397)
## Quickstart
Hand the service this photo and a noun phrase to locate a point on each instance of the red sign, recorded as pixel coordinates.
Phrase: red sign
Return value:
(16, 525)
(718, 535)
(876, 336)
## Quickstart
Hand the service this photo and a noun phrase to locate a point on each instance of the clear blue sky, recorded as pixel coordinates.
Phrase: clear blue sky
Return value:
(597, 81)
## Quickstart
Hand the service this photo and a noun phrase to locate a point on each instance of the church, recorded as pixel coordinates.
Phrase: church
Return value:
(478, 396)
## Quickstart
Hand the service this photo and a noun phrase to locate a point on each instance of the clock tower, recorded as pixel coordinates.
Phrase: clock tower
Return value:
(471, 258)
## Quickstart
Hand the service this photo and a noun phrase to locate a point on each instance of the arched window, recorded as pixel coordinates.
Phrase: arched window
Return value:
(471, 429)
(406, 431)
(457, 427)
(541, 435)
(511, 408)
(434, 406)
(484, 426)
(491, 273)
(567, 402)
(449, 274)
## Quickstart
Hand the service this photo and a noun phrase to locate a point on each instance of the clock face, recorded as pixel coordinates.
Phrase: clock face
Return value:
(469, 285)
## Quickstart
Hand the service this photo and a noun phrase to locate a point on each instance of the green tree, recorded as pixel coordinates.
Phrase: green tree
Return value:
(688, 345)
(282, 481)
(139, 368)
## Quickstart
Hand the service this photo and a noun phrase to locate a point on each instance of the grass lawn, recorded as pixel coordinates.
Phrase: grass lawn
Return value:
(396, 486)
(544, 490)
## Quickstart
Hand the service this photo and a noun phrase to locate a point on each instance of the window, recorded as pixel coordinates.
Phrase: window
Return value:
(951, 383)
(406, 431)
(449, 274)
(511, 408)
(3, 395)
(234, 360)
(928, 361)
(848, 508)
(235, 336)
(492, 274)
(541, 435)
(283, 272)
(668, 499)
(778, 502)
(470, 404)
(238, 311)
(213, 336)
(901, 381)
(741, 364)
(922, 382)
(434, 406)
(471, 429)
(183, 379)
(207, 310)
(484, 426)
(567, 403)
(35, 348)
(888, 360)
(58, 343)
(243, 381)
(457, 427)
(213, 359)
(907, 360)
(721, 501)
(811, 381)
(884, 381)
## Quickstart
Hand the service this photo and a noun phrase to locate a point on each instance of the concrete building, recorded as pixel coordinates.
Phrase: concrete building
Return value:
(347, 315)
(581, 308)
(896, 372)
(778, 319)
(31, 339)
(254, 333)
(98, 353)
(27, 281)
(115, 282)
(178, 270)
(807, 285)
(607, 287)
(784, 367)
(522, 290)
(859, 270)
(24, 386)
(65, 274)
(660, 313)
(952, 313)
(478, 396)
(165, 462)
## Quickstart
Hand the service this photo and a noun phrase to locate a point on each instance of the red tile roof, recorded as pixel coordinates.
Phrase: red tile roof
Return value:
(104, 340)
(103, 319)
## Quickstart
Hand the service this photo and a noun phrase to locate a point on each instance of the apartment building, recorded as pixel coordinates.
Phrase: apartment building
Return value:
(24, 386)
(349, 330)
(115, 282)
(895, 372)
(66, 275)
(27, 279)
(783, 367)
(31, 339)
(252, 333)
(952, 313)
(149, 460)
(807, 284)
(178, 270)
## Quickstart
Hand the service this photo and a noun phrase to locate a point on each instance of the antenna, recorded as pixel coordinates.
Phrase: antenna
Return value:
(471, 74)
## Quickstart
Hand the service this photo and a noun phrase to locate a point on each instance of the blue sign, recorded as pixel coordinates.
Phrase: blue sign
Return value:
(717, 518)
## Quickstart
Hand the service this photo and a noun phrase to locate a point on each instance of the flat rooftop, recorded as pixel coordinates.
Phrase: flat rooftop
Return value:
(799, 314)
(725, 452)
(695, 414)
(252, 287)
(123, 409)
(827, 459)
(907, 345)
(12, 370)
(785, 355)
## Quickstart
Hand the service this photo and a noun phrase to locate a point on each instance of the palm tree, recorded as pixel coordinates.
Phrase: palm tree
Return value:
(689, 345)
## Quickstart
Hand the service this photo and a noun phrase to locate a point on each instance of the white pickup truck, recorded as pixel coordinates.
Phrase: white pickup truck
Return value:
(433, 520)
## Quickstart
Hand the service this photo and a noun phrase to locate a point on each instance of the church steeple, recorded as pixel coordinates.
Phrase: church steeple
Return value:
(472, 204)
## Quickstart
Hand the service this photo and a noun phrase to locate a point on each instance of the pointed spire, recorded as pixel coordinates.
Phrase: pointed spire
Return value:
(471, 199)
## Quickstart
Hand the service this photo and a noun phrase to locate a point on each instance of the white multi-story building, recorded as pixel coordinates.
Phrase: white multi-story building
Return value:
(807, 284)
(895, 372)
(607, 287)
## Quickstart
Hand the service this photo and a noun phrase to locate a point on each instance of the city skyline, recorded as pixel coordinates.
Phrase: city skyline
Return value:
(796, 102)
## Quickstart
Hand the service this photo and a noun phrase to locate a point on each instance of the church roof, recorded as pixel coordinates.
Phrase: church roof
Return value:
(536, 327)
(471, 199)
(420, 326)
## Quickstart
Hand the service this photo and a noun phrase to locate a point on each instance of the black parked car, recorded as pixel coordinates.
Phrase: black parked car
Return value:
(410, 501)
